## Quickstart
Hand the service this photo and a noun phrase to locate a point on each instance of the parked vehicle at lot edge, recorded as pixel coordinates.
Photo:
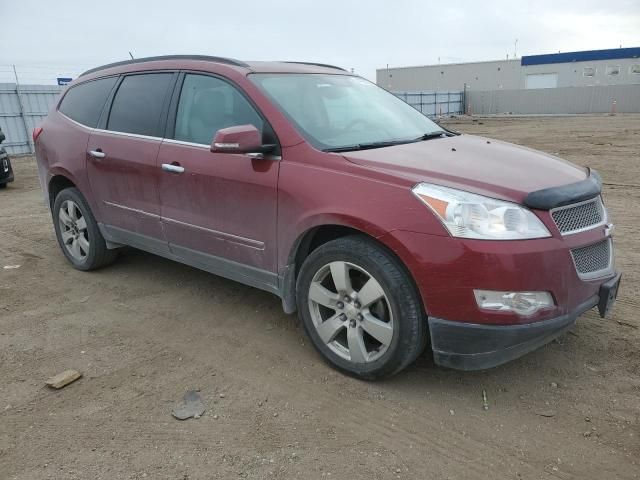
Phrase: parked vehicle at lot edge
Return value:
(381, 228)
(6, 172)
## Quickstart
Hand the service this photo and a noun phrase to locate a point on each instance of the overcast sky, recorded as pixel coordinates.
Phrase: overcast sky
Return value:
(47, 38)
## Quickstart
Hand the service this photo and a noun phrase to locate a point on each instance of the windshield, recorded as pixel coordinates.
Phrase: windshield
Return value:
(336, 112)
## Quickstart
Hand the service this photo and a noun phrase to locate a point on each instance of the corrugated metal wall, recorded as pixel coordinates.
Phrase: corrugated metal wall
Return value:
(433, 103)
(20, 115)
(555, 101)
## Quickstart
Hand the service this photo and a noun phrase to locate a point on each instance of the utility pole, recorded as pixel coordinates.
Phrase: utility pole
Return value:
(515, 49)
(22, 115)
(388, 78)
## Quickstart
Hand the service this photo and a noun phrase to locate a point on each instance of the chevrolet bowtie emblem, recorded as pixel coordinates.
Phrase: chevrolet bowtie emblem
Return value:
(608, 230)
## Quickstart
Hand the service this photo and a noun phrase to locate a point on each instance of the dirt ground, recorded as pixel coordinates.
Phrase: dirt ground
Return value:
(145, 330)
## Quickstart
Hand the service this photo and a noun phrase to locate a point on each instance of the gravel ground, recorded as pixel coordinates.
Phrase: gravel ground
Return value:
(146, 330)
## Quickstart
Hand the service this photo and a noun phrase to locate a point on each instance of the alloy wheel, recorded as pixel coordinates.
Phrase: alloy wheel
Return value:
(351, 312)
(73, 230)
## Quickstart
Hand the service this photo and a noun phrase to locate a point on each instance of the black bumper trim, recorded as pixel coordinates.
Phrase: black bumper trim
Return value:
(472, 346)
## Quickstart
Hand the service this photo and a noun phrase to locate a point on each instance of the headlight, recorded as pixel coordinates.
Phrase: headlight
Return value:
(522, 303)
(469, 215)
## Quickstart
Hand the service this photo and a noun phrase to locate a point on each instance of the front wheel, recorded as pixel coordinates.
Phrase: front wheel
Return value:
(360, 308)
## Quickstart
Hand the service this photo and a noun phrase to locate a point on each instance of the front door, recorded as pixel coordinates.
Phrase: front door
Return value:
(122, 157)
(218, 209)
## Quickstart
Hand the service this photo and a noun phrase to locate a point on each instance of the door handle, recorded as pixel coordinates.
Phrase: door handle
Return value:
(97, 153)
(167, 167)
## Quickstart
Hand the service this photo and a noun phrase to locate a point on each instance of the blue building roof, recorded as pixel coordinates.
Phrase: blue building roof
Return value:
(585, 56)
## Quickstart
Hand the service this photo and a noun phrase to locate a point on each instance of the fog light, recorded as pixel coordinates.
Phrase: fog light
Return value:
(522, 303)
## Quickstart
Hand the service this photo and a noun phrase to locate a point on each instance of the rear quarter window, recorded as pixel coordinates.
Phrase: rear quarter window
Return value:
(84, 102)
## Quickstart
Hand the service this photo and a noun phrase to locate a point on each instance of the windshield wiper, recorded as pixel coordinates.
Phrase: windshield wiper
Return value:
(366, 146)
(389, 143)
(431, 135)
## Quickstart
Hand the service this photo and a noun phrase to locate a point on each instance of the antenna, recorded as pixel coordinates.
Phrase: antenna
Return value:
(131, 56)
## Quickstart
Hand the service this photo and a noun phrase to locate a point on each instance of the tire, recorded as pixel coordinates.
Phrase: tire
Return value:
(3, 185)
(77, 231)
(340, 318)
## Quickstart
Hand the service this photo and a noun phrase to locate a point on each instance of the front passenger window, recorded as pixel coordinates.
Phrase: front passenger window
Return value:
(208, 104)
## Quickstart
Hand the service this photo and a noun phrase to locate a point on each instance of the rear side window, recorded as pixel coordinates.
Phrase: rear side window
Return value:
(137, 105)
(83, 103)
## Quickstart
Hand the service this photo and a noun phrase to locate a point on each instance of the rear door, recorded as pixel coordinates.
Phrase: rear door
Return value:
(219, 213)
(122, 156)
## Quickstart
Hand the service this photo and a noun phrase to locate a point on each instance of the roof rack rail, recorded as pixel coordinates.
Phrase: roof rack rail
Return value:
(207, 58)
(326, 65)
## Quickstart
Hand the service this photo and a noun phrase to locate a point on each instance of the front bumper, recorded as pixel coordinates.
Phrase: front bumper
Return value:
(468, 346)
(447, 270)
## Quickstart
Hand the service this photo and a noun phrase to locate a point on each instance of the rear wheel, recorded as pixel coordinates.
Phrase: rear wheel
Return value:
(78, 233)
(360, 308)
(3, 185)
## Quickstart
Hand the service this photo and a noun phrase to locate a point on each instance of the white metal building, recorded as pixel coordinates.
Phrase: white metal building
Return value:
(620, 66)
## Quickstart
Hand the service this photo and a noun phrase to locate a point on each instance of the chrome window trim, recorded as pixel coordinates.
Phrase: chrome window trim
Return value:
(208, 147)
(185, 143)
(126, 134)
(147, 137)
(114, 132)
(584, 202)
(605, 272)
(86, 127)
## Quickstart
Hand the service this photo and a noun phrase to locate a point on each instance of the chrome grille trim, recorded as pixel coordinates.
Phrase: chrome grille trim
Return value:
(581, 216)
(594, 261)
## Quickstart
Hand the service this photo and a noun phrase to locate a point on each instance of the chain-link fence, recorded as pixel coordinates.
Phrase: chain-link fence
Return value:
(435, 104)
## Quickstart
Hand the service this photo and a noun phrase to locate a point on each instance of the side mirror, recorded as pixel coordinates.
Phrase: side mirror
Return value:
(239, 139)
(2, 137)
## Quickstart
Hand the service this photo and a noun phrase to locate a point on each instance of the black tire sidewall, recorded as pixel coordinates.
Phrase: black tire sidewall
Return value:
(96, 241)
(408, 321)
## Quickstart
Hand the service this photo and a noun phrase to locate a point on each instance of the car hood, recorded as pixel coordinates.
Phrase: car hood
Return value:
(481, 165)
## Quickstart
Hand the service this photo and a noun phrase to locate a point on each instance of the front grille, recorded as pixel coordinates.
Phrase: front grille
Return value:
(593, 260)
(579, 216)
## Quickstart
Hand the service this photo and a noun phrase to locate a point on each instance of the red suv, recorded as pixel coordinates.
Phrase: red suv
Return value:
(381, 228)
